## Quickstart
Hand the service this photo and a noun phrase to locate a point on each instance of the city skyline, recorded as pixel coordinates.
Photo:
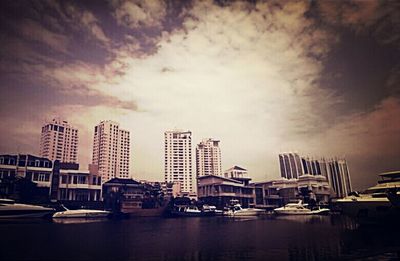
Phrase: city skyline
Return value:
(316, 77)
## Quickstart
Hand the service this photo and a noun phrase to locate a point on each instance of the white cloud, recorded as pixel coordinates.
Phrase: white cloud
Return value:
(138, 13)
(237, 74)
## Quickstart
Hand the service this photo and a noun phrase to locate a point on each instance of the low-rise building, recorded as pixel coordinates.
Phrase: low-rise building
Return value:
(53, 180)
(31, 168)
(219, 191)
(78, 185)
(279, 192)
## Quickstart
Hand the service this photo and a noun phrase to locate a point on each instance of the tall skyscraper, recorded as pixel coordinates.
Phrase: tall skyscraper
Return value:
(59, 141)
(335, 171)
(290, 165)
(208, 158)
(339, 177)
(111, 149)
(178, 159)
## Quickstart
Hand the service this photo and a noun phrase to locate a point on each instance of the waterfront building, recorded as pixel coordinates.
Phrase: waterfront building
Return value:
(111, 150)
(208, 158)
(134, 198)
(335, 171)
(78, 185)
(35, 169)
(53, 180)
(171, 189)
(178, 160)
(275, 193)
(219, 191)
(290, 165)
(59, 141)
(237, 173)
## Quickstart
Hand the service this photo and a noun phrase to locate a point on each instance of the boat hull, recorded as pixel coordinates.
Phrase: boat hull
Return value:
(305, 212)
(29, 214)
(245, 213)
(82, 214)
(12, 211)
(369, 210)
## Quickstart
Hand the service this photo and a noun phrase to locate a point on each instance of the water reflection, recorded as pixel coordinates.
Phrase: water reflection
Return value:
(218, 238)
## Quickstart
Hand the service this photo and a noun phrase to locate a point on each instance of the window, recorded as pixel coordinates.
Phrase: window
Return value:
(81, 180)
(64, 179)
(41, 177)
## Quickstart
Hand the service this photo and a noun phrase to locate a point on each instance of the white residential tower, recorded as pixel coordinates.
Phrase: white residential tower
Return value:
(178, 160)
(111, 149)
(208, 158)
(59, 141)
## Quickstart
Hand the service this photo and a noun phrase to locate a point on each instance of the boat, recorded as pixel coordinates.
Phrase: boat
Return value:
(209, 210)
(9, 210)
(236, 210)
(186, 211)
(81, 213)
(300, 209)
(377, 204)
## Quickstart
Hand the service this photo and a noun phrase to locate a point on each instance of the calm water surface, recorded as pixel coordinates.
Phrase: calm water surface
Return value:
(214, 238)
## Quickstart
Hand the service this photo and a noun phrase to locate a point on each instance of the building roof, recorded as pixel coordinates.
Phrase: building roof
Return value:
(391, 174)
(219, 177)
(237, 168)
(122, 181)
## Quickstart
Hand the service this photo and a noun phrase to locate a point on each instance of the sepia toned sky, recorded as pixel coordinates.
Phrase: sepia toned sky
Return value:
(321, 78)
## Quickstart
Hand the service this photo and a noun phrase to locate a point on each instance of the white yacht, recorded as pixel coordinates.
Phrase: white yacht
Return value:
(300, 209)
(236, 210)
(209, 210)
(374, 203)
(186, 211)
(81, 213)
(9, 210)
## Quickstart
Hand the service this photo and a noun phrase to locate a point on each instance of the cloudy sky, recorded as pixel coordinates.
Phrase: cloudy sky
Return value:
(321, 78)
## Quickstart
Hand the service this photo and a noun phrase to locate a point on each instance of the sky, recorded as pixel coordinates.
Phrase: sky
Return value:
(321, 78)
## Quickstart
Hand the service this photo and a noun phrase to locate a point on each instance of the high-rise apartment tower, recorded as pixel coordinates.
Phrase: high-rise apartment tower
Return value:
(111, 150)
(178, 159)
(208, 158)
(59, 141)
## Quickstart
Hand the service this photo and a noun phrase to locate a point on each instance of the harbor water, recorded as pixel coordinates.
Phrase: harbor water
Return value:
(214, 238)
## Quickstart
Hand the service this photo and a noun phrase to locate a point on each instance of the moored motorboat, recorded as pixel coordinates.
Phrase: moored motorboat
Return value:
(9, 210)
(236, 210)
(209, 210)
(186, 211)
(300, 209)
(379, 203)
(81, 213)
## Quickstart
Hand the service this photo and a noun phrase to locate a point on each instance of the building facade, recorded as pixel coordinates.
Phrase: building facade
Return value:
(178, 160)
(52, 180)
(339, 177)
(290, 165)
(111, 150)
(59, 141)
(37, 170)
(78, 185)
(336, 172)
(275, 193)
(219, 191)
(208, 158)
